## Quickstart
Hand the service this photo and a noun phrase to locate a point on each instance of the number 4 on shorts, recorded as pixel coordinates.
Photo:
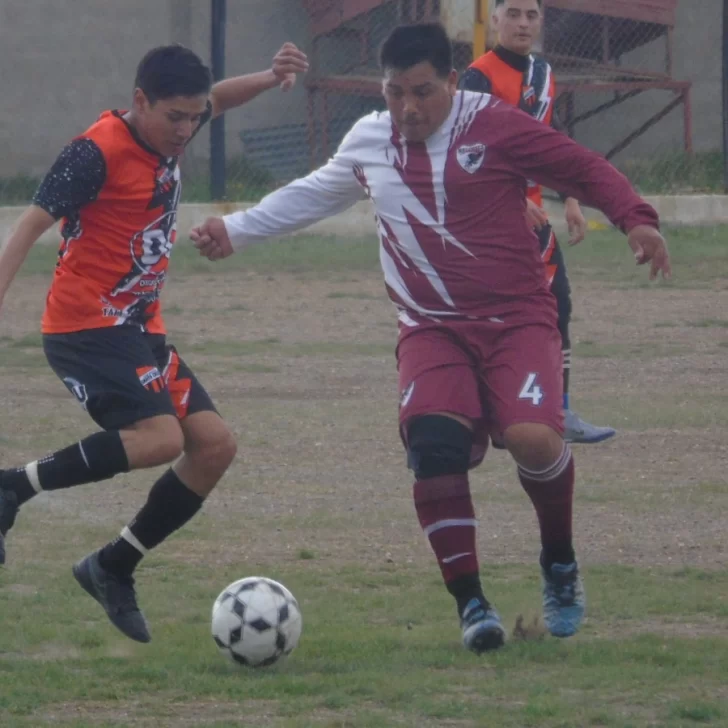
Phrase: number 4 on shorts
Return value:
(531, 390)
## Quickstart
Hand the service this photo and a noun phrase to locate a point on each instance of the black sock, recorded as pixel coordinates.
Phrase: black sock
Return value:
(97, 457)
(560, 552)
(169, 506)
(465, 588)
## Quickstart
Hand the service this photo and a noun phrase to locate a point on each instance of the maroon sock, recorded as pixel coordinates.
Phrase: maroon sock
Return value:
(552, 493)
(445, 510)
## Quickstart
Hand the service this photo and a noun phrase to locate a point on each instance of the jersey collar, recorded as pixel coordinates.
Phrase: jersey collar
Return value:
(119, 114)
(514, 60)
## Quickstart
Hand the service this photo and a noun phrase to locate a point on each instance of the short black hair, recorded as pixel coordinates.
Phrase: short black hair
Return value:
(172, 70)
(498, 3)
(408, 45)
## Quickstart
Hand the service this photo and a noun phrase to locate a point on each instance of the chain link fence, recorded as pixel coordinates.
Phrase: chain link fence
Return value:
(625, 89)
(636, 81)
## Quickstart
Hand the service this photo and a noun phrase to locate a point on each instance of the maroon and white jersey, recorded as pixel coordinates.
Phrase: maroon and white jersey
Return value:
(454, 241)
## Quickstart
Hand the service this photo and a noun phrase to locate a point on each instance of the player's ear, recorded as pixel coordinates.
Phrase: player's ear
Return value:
(452, 81)
(140, 101)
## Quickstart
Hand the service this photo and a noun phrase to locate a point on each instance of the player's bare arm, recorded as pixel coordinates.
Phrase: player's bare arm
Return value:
(232, 92)
(575, 220)
(29, 227)
(535, 215)
(73, 180)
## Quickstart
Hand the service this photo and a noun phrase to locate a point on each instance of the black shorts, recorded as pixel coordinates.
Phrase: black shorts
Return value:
(121, 375)
(553, 258)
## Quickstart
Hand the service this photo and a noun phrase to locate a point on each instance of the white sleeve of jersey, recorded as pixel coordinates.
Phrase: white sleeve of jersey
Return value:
(329, 190)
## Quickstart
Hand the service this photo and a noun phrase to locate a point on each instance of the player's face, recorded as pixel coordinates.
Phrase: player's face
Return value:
(168, 124)
(518, 24)
(418, 99)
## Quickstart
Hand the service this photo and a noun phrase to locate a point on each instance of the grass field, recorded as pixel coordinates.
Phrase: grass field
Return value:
(295, 342)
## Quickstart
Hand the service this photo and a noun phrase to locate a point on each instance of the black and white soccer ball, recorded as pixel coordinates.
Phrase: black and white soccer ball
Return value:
(256, 621)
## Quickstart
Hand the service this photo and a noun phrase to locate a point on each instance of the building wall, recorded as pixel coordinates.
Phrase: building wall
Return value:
(60, 69)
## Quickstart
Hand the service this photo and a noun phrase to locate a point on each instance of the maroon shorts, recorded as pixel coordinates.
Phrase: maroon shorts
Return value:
(494, 375)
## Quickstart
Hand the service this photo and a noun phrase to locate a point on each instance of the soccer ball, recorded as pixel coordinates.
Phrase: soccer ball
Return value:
(256, 621)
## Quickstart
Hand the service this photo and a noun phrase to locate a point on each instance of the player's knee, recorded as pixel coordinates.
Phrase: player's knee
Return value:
(221, 452)
(155, 441)
(534, 446)
(438, 445)
(169, 443)
(215, 450)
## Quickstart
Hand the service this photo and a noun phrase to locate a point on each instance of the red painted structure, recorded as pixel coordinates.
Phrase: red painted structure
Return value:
(586, 41)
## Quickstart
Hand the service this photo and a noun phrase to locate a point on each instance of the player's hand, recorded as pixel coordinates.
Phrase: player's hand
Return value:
(575, 220)
(211, 239)
(535, 216)
(649, 246)
(287, 63)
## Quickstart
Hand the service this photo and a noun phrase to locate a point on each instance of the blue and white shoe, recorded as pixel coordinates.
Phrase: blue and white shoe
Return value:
(564, 599)
(578, 431)
(482, 628)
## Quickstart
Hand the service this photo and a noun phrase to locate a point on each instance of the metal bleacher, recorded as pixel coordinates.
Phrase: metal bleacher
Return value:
(590, 43)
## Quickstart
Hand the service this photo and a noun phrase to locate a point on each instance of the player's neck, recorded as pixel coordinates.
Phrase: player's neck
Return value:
(132, 124)
(447, 116)
(516, 60)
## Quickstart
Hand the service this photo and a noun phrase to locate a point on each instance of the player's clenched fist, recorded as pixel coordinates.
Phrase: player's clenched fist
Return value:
(211, 239)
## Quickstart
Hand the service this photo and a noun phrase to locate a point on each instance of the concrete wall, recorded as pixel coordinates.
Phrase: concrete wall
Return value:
(60, 68)
(64, 61)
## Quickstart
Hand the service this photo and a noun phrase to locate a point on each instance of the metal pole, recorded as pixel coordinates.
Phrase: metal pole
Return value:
(217, 126)
(725, 96)
(480, 28)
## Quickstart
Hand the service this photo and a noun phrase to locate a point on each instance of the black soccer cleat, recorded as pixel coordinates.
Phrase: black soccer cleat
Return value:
(8, 511)
(115, 594)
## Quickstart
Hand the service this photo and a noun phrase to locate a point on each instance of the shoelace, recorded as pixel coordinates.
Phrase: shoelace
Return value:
(474, 615)
(564, 587)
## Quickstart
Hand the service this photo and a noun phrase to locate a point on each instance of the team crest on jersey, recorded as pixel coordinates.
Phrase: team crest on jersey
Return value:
(471, 156)
(529, 95)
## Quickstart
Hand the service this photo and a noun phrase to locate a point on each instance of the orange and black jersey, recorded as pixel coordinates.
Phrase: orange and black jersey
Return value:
(117, 201)
(523, 81)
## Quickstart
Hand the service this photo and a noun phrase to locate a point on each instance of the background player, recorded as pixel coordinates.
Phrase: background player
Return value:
(116, 189)
(513, 74)
(479, 349)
